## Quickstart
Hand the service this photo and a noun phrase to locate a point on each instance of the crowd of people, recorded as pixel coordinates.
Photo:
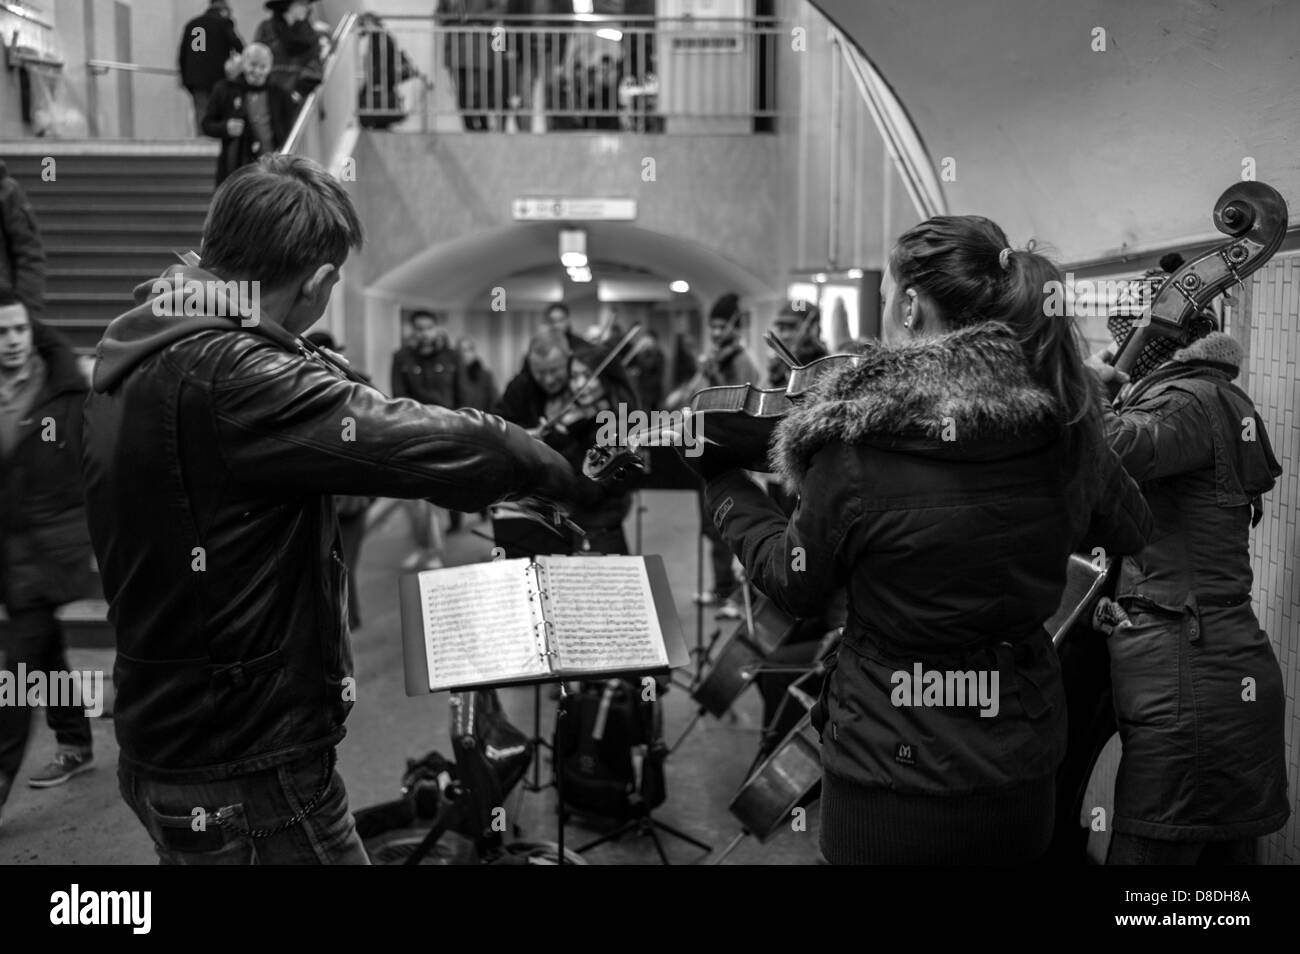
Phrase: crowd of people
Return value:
(247, 96)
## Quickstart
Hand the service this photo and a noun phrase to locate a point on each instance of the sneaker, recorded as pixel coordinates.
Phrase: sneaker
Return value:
(729, 609)
(67, 763)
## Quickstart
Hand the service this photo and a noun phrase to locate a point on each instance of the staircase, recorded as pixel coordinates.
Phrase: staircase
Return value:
(111, 217)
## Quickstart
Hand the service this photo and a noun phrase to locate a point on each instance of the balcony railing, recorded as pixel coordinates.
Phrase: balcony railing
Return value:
(646, 74)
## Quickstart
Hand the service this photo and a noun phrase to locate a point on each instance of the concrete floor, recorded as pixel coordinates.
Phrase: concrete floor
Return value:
(86, 822)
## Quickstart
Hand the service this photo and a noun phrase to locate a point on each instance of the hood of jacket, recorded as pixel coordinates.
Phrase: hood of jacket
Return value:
(1217, 349)
(965, 394)
(183, 301)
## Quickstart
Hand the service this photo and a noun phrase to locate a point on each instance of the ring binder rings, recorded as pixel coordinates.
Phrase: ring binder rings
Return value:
(520, 622)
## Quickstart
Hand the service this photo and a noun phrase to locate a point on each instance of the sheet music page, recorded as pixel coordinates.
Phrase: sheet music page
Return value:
(479, 623)
(603, 613)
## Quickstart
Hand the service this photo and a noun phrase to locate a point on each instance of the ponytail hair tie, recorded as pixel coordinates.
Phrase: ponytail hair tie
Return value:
(1004, 258)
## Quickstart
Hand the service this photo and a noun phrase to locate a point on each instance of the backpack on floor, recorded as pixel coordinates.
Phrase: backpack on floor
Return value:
(610, 750)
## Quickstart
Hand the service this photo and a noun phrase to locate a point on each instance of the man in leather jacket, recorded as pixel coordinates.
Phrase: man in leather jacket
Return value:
(214, 443)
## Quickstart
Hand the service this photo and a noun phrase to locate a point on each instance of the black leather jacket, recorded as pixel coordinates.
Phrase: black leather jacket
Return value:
(211, 454)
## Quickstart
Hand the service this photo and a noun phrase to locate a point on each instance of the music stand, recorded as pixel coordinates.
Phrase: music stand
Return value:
(641, 818)
(523, 538)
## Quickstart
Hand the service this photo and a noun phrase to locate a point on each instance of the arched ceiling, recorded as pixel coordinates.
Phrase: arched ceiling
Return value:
(1093, 152)
(453, 274)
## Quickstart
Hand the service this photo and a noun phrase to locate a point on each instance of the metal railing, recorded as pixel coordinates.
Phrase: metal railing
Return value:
(551, 73)
(100, 67)
(328, 113)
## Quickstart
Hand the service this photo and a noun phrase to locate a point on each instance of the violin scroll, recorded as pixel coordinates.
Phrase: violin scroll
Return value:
(1254, 215)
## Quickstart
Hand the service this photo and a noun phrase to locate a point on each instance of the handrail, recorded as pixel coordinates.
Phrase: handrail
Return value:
(99, 67)
(573, 19)
(341, 31)
(922, 186)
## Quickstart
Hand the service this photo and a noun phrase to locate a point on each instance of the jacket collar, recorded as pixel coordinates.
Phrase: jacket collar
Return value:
(1216, 355)
(966, 394)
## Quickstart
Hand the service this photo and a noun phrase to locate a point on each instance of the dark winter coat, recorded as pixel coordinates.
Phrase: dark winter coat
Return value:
(598, 506)
(204, 69)
(295, 52)
(1204, 751)
(45, 553)
(228, 102)
(22, 255)
(212, 456)
(429, 378)
(478, 388)
(953, 552)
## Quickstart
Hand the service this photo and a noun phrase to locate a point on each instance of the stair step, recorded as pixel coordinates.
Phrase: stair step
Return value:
(127, 194)
(85, 314)
(83, 340)
(190, 217)
(94, 279)
(83, 167)
(78, 298)
(150, 259)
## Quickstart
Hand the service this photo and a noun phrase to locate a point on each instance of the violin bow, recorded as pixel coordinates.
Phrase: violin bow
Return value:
(782, 352)
(593, 378)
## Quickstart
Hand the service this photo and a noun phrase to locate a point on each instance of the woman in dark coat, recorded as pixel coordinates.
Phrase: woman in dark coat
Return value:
(944, 481)
(1199, 696)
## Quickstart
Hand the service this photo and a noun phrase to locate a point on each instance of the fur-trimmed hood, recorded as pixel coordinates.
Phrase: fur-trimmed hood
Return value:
(952, 391)
(1215, 348)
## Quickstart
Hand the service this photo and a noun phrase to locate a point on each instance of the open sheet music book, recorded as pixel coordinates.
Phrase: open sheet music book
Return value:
(542, 620)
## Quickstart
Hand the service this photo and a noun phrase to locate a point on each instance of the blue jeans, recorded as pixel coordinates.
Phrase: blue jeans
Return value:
(244, 820)
(35, 637)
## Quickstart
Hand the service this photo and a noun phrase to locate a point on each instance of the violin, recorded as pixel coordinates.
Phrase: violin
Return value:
(734, 422)
(1254, 215)
(585, 400)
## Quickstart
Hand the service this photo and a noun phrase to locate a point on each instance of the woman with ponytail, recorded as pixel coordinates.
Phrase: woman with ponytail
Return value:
(944, 481)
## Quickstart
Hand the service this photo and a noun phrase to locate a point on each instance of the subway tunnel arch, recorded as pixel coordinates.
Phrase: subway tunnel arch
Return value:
(457, 273)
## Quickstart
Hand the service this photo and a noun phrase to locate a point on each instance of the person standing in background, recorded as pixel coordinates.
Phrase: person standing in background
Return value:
(44, 541)
(470, 59)
(478, 390)
(207, 43)
(294, 45)
(22, 254)
(796, 326)
(250, 116)
(429, 372)
(725, 363)
(535, 53)
(645, 366)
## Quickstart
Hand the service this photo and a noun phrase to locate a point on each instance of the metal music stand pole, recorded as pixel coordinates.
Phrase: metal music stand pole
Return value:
(699, 607)
(557, 761)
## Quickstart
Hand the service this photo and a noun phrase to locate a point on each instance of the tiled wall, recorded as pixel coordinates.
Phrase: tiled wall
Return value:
(1272, 336)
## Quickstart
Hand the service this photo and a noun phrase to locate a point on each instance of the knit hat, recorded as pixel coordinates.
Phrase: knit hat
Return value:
(725, 308)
